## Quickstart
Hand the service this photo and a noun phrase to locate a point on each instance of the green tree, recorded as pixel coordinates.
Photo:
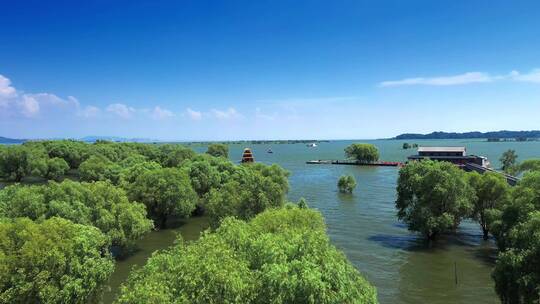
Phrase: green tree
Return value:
(249, 191)
(529, 165)
(406, 146)
(490, 191)
(14, 162)
(366, 153)
(218, 150)
(516, 272)
(281, 256)
(525, 199)
(346, 184)
(508, 161)
(172, 155)
(203, 175)
(99, 204)
(433, 197)
(73, 152)
(56, 168)
(165, 192)
(99, 168)
(54, 261)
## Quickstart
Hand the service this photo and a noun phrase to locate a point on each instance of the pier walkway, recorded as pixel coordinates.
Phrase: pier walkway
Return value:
(512, 180)
(354, 162)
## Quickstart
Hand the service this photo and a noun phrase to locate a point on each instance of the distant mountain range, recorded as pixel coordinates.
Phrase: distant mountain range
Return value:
(5, 140)
(454, 135)
(116, 139)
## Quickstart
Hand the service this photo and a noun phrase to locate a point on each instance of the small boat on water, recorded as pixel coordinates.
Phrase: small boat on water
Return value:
(269, 151)
(312, 145)
(247, 156)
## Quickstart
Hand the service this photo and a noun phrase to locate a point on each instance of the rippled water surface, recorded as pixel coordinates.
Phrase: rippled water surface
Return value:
(403, 267)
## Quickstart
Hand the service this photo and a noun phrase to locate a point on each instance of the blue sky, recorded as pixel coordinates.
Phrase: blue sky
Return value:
(215, 70)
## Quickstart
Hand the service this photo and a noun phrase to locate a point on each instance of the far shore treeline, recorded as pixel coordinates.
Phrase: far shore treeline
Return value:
(468, 135)
(71, 208)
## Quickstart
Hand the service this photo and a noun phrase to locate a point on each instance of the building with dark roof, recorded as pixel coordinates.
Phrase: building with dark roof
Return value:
(455, 155)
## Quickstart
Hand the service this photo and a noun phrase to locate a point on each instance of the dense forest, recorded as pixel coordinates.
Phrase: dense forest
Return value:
(72, 208)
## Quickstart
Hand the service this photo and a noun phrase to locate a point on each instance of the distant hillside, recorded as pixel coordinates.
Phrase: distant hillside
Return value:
(116, 139)
(454, 135)
(5, 140)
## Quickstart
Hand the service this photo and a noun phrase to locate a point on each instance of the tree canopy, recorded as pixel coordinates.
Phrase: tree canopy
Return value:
(281, 256)
(251, 189)
(98, 204)
(218, 150)
(433, 197)
(508, 161)
(165, 192)
(362, 152)
(491, 190)
(346, 184)
(53, 261)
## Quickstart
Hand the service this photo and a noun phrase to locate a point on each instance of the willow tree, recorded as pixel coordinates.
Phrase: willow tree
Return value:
(491, 190)
(366, 153)
(53, 261)
(281, 256)
(433, 197)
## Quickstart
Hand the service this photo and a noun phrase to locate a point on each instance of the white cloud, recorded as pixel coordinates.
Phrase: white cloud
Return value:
(228, 114)
(466, 78)
(6, 90)
(195, 115)
(158, 113)
(533, 76)
(121, 110)
(89, 112)
(17, 103)
(29, 106)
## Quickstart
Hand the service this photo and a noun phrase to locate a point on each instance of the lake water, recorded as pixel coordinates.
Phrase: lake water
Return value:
(364, 225)
(403, 267)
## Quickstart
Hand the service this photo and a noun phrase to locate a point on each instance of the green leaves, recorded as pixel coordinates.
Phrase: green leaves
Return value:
(365, 153)
(281, 256)
(433, 197)
(346, 184)
(248, 191)
(98, 204)
(165, 192)
(54, 261)
(218, 150)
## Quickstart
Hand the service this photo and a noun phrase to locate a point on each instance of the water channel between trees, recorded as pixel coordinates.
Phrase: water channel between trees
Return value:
(403, 267)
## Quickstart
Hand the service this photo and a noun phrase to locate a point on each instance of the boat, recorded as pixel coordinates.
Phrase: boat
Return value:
(247, 156)
(312, 145)
(269, 151)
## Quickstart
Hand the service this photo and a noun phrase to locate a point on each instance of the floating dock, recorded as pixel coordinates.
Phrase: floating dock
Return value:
(354, 163)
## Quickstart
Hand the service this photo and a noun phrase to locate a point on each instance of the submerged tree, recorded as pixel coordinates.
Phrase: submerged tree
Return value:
(98, 204)
(165, 192)
(54, 261)
(490, 191)
(249, 191)
(362, 152)
(281, 256)
(516, 272)
(433, 197)
(218, 150)
(508, 161)
(346, 184)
